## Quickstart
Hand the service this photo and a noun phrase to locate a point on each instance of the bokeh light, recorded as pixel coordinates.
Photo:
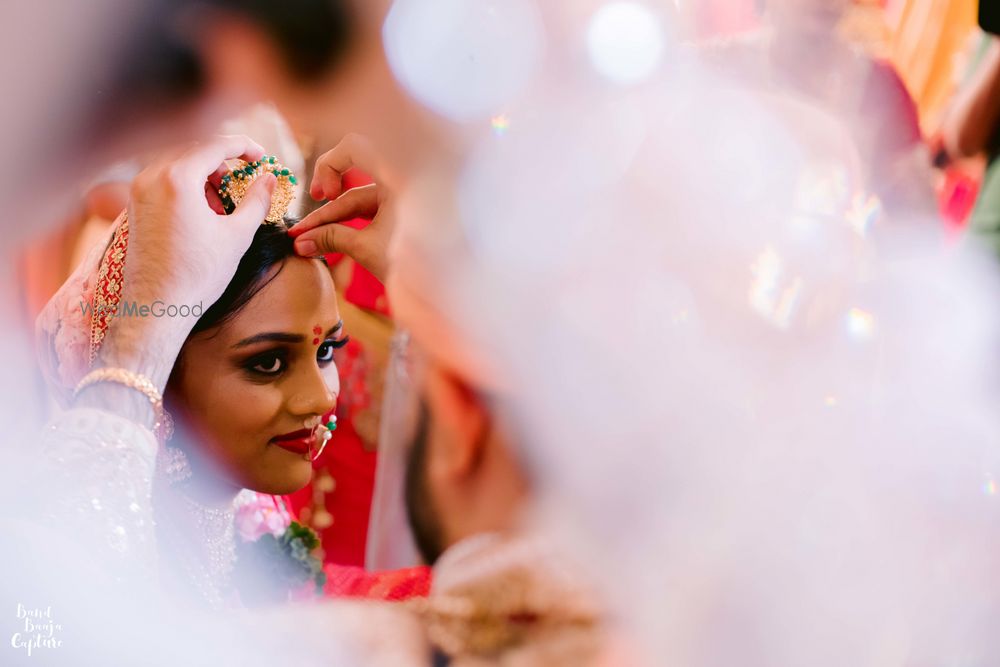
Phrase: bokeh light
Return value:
(464, 60)
(860, 323)
(625, 41)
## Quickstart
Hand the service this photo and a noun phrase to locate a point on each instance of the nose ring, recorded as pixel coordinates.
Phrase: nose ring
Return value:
(321, 434)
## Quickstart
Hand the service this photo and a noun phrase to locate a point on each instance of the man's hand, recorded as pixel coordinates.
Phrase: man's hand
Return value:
(319, 232)
(181, 251)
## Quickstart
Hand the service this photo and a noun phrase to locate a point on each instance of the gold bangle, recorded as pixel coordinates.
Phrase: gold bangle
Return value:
(163, 425)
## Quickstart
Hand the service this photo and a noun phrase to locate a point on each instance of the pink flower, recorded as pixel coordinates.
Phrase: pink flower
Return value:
(258, 514)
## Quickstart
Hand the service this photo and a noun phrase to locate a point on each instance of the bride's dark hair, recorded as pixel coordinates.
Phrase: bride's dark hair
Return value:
(270, 247)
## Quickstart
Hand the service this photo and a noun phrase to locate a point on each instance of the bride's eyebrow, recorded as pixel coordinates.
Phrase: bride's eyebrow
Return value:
(270, 337)
(282, 337)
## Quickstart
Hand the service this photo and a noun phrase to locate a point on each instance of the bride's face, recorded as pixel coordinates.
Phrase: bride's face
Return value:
(245, 387)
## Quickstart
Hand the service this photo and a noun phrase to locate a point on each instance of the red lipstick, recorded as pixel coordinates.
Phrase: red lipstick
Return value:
(297, 442)
(302, 441)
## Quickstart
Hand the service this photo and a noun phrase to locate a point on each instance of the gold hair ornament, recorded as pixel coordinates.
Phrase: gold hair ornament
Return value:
(238, 180)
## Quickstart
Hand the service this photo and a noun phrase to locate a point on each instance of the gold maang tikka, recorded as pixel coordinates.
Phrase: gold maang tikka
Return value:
(238, 180)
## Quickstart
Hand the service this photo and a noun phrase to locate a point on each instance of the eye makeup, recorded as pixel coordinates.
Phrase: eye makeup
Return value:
(266, 365)
(324, 354)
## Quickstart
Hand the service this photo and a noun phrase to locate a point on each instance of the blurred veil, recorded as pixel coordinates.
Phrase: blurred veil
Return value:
(390, 541)
(753, 401)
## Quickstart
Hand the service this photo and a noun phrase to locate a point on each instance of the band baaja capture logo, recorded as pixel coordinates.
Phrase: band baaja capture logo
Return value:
(36, 630)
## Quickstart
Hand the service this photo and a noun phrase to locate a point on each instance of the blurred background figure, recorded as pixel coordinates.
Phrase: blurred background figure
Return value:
(737, 394)
(183, 68)
(971, 130)
(823, 51)
(810, 53)
(936, 45)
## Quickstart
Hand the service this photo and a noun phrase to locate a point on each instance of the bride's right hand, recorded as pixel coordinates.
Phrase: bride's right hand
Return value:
(182, 250)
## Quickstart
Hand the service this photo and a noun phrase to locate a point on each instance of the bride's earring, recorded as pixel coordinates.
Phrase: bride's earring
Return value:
(174, 464)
